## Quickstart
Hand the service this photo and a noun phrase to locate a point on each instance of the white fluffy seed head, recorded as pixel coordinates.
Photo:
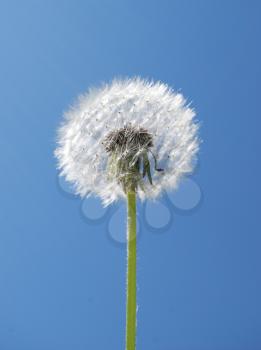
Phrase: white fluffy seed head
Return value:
(83, 153)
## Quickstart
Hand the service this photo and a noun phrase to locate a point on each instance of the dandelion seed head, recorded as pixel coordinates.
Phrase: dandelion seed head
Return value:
(115, 133)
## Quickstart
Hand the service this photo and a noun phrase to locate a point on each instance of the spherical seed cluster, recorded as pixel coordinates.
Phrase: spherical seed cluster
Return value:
(137, 127)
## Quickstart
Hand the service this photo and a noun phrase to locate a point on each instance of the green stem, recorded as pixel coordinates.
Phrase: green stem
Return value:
(131, 273)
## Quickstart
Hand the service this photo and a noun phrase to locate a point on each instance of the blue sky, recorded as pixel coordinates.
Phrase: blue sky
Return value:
(62, 278)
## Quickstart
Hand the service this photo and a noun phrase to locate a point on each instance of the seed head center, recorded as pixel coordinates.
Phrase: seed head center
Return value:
(129, 148)
(128, 139)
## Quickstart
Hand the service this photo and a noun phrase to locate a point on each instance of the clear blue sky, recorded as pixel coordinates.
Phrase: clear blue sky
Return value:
(62, 281)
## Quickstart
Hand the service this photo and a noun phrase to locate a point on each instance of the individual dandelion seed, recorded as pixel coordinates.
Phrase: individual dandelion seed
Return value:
(131, 138)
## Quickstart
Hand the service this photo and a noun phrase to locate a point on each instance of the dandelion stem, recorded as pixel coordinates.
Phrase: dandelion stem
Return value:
(131, 273)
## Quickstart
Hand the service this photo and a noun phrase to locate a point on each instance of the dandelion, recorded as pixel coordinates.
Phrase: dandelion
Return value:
(131, 138)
